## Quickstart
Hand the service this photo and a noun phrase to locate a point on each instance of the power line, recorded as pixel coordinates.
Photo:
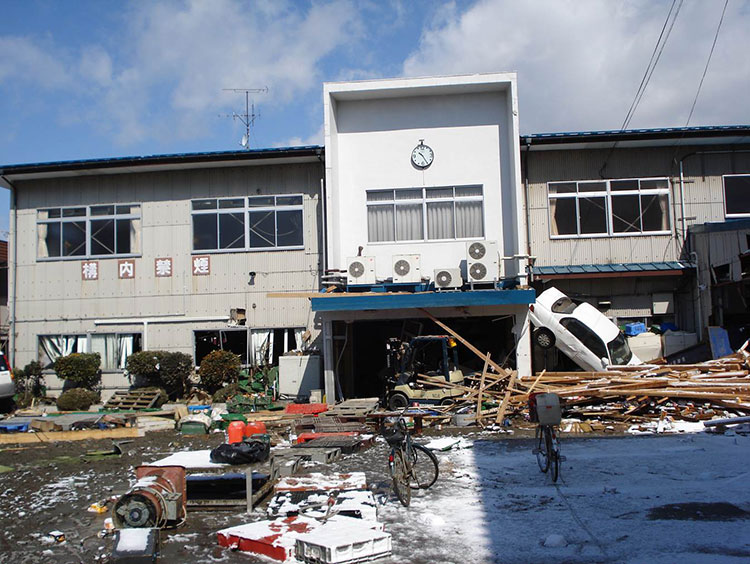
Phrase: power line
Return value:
(708, 62)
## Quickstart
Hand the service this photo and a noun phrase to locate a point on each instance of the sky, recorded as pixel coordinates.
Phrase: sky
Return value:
(104, 78)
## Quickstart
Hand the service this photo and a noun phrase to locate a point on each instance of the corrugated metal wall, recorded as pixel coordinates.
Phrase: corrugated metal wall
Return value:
(52, 298)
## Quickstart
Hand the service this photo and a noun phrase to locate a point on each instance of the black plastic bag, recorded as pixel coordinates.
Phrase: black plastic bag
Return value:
(246, 452)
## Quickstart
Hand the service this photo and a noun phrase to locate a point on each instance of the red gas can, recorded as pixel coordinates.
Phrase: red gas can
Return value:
(235, 431)
(255, 428)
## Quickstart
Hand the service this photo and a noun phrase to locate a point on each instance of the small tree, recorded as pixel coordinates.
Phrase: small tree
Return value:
(29, 383)
(219, 368)
(169, 370)
(82, 369)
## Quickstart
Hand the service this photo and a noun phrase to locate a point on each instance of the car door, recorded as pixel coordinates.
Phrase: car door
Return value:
(589, 349)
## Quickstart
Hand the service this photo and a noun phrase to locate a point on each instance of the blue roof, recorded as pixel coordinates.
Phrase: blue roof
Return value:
(703, 129)
(364, 302)
(633, 268)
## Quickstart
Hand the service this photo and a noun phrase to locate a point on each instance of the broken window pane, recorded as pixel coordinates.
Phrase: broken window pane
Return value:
(204, 232)
(592, 186)
(50, 240)
(626, 214)
(103, 237)
(563, 215)
(593, 212)
(655, 212)
(232, 230)
(73, 238)
(562, 187)
(262, 229)
(619, 185)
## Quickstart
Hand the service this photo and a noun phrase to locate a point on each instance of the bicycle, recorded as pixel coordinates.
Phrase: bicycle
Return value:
(412, 465)
(545, 410)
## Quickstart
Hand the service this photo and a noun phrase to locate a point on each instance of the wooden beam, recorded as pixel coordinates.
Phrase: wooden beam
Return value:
(117, 433)
(481, 387)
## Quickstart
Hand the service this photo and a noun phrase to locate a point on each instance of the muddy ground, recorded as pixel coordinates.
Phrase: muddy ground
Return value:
(621, 499)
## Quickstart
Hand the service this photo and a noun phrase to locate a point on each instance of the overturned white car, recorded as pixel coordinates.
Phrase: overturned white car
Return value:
(580, 331)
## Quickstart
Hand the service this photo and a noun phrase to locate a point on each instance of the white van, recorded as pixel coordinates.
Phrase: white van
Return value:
(580, 331)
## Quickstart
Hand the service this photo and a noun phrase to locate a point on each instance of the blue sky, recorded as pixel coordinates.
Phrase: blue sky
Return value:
(91, 79)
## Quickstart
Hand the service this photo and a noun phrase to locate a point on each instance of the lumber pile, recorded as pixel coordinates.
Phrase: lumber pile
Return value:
(632, 394)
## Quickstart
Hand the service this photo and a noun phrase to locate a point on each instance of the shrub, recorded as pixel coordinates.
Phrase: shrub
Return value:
(77, 399)
(219, 368)
(82, 369)
(169, 370)
(29, 383)
(225, 393)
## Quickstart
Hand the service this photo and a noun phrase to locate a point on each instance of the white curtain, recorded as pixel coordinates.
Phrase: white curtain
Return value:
(262, 340)
(108, 347)
(55, 346)
(380, 223)
(298, 332)
(41, 247)
(440, 220)
(135, 235)
(409, 222)
(469, 221)
(124, 349)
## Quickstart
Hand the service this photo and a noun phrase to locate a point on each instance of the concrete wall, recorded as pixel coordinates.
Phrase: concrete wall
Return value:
(372, 127)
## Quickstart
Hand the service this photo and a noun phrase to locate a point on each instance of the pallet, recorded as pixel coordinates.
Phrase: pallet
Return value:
(320, 454)
(348, 445)
(133, 399)
(352, 409)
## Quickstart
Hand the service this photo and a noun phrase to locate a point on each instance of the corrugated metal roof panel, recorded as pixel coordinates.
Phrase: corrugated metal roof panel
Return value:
(612, 268)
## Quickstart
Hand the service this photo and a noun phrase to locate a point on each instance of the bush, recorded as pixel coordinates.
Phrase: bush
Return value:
(169, 370)
(77, 399)
(29, 383)
(82, 369)
(219, 368)
(226, 393)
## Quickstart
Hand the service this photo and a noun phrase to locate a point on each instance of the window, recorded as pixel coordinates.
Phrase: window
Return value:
(91, 231)
(737, 196)
(257, 222)
(609, 207)
(589, 339)
(114, 348)
(425, 214)
(262, 348)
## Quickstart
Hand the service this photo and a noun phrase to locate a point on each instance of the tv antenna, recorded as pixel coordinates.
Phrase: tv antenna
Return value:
(249, 117)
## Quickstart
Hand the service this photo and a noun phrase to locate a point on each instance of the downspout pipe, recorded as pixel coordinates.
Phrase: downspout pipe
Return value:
(529, 261)
(14, 253)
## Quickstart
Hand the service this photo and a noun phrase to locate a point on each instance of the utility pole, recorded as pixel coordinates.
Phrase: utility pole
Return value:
(249, 117)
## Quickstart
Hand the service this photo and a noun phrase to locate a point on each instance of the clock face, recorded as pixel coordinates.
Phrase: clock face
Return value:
(422, 156)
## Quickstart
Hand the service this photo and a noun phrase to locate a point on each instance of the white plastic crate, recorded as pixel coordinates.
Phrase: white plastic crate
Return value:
(548, 409)
(336, 544)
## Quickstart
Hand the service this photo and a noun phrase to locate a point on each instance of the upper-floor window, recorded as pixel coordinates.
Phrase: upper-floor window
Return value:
(737, 195)
(256, 222)
(425, 214)
(609, 207)
(89, 231)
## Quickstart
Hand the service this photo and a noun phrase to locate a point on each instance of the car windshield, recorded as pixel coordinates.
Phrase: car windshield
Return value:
(564, 305)
(619, 351)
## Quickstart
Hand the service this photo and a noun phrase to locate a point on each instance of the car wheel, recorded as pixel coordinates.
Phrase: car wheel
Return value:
(544, 338)
(397, 401)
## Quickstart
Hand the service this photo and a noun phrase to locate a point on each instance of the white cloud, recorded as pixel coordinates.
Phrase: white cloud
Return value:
(580, 62)
(22, 59)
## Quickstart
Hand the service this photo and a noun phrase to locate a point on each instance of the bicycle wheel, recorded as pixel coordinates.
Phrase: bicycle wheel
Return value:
(541, 451)
(424, 467)
(400, 475)
(555, 455)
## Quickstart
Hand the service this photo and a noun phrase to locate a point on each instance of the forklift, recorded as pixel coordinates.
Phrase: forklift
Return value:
(429, 355)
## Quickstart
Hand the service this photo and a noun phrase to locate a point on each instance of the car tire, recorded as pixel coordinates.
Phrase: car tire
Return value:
(397, 401)
(544, 338)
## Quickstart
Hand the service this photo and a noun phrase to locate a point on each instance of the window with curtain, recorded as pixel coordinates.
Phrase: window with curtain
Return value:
(256, 222)
(425, 214)
(609, 207)
(90, 231)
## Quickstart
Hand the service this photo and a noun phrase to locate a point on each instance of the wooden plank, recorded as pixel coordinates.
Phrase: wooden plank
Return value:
(504, 406)
(467, 344)
(54, 436)
(481, 387)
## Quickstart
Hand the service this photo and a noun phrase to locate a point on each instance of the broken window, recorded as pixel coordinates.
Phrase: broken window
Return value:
(113, 348)
(263, 347)
(608, 207)
(737, 195)
(93, 231)
(419, 214)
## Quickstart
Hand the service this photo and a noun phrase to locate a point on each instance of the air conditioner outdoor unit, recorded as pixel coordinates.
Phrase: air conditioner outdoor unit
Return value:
(360, 270)
(406, 269)
(448, 278)
(482, 261)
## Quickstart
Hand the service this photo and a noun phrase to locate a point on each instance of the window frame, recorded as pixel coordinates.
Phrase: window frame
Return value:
(608, 194)
(728, 215)
(86, 339)
(245, 210)
(424, 202)
(88, 218)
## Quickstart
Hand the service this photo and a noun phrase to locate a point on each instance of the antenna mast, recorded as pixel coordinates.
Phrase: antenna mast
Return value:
(249, 117)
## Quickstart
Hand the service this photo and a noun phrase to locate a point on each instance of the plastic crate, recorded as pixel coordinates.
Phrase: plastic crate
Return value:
(336, 544)
(306, 408)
